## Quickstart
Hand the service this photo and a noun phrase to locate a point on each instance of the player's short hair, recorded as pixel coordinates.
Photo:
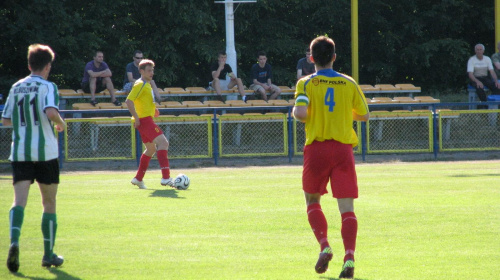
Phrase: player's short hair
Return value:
(261, 53)
(221, 52)
(146, 62)
(323, 50)
(136, 52)
(39, 56)
(96, 52)
(480, 45)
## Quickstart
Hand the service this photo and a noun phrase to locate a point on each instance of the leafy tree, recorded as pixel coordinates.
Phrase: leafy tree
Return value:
(417, 41)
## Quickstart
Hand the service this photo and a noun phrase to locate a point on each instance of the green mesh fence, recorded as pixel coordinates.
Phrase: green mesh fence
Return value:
(465, 130)
(253, 135)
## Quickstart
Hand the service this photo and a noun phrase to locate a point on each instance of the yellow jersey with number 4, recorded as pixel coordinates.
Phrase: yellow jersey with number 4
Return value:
(330, 98)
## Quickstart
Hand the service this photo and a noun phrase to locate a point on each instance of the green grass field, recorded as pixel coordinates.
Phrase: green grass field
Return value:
(416, 221)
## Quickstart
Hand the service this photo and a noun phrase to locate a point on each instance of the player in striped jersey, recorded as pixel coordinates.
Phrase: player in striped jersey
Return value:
(328, 102)
(32, 110)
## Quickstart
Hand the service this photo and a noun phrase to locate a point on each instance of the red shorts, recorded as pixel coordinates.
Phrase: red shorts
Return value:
(330, 161)
(148, 130)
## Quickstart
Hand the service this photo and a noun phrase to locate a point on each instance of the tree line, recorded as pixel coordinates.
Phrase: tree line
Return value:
(423, 42)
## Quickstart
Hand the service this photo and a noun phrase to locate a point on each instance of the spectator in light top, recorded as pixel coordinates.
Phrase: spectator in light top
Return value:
(481, 73)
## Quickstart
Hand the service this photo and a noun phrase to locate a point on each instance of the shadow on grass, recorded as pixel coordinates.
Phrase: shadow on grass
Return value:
(482, 175)
(60, 274)
(165, 193)
(335, 278)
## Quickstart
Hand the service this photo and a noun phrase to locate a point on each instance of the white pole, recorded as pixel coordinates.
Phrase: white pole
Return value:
(230, 49)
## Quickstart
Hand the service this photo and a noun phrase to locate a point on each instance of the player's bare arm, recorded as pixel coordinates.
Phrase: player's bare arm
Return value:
(300, 113)
(361, 118)
(6, 122)
(53, 115)
(131, 108)
(156, 92)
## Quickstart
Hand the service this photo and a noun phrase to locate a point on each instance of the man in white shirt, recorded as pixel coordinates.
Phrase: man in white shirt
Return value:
(478, 68)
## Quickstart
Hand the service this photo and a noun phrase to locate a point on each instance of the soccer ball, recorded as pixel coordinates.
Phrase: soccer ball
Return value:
(181, 182)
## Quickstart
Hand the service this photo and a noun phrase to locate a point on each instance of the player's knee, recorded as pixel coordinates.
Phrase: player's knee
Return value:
(20, 201)
(49, 204)
(163, 146)
(150, 151)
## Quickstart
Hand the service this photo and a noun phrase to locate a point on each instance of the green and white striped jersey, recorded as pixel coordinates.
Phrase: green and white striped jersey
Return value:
(33, 137)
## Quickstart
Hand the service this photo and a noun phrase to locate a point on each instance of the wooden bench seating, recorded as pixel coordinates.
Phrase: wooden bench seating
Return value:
(172, 104)
(368, 88)
(386, 87)
(397, 101)
(215, 103)
(70, 92)
(258, 102)
(390, 89)
(193, 104)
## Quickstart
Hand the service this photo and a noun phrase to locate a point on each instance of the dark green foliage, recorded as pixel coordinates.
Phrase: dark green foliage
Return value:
(423, 42)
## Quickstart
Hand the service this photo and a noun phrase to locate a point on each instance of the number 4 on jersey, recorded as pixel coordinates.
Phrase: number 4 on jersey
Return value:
(329, 100)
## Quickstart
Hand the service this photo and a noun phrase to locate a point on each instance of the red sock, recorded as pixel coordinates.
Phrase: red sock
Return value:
(318, 224)
(143, 167)
(162, 156)
(349, 232)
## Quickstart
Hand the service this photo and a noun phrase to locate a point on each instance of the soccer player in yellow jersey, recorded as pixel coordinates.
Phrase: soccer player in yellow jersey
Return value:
(140, 103)
(328, 102)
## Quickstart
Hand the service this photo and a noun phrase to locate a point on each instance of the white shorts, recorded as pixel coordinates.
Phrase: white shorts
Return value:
(223, 84)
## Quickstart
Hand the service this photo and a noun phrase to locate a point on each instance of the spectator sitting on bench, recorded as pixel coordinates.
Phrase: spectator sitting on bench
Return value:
(305, 66)
(132, 74)
(495, 59)
(478, 68)
(261, 75)
(220, 71)
(97, 77)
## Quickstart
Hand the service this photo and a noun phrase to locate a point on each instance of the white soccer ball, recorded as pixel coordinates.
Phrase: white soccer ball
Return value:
(181, 182)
